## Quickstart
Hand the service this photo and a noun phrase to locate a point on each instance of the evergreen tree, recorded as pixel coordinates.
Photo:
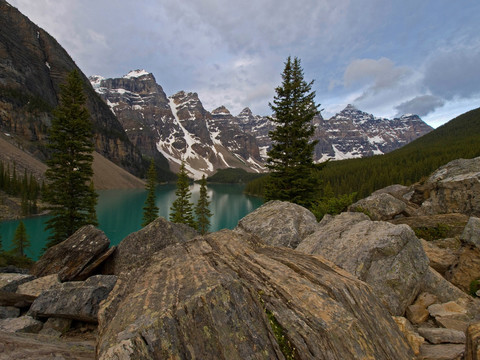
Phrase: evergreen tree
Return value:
(182, 208)
(202, 211)
(20, 240)
(292, 177)
(70, 166)
(150, 210)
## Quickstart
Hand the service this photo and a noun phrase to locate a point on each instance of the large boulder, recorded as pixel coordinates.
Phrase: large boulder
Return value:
(25, 324)
(440, 259)
(37, 286)
(72, 256)
(453, 188)
(76, 300)
(279, 223)
(388, 257)
(11, 281)
(138, 247)
(220, 296)
(466, 269)
(380, 206)
(471, 232)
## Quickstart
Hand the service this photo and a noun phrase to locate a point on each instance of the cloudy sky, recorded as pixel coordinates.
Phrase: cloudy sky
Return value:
(387, 57)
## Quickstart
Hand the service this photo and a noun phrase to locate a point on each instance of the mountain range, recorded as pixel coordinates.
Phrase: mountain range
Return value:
(134, 120)
(181, 129)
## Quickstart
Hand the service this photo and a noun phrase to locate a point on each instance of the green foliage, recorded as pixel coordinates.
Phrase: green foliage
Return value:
(441, 231)
(150, 210)
(474, 287)
(293, 175)
(20, 241)
(202, 211)
(70, 166)
(182, 208)
(257, 187)
(22, 262)
(232, 176)
(331, 204)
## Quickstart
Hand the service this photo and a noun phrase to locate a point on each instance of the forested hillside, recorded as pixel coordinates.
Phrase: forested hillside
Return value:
(459, 138)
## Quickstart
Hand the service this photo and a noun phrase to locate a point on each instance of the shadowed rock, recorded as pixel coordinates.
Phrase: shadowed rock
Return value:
(69, 258)
(388, 257)
(217, 297)
(279, 223)
(76, 300)
(138, 247)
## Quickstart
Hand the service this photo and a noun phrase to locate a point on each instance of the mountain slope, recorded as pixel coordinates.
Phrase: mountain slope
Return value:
(32, 67)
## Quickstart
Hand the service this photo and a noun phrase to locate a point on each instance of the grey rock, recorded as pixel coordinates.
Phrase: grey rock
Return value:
(439, 336)
(11, 281)
(69, 258)
(8, 298)
(381, 206)
(279, 223)
(21, 324)
(76, 300)
(453, 188)
(471, 233)
(388, 257)
(137, 248)
(9, 312)
(441, 352)
(37, 286)
(59, 325)
(215, 296)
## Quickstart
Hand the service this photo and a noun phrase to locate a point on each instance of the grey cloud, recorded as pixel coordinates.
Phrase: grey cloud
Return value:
(455, 72)
(420, 105)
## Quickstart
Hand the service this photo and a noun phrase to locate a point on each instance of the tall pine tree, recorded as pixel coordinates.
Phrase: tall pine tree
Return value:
(182, 208)
(20, 240)
(202, 211)
(290, 160)
(69, 170)
(150, 210)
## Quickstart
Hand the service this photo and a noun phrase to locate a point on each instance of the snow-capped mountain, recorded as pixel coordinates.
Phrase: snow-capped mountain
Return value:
(179, 128)
(353, 133)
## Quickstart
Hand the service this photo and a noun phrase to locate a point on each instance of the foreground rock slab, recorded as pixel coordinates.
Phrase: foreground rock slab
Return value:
(69, 258)
(218, 297)
(38, 347)
(279, 223)
(388, 257)
(76, 300)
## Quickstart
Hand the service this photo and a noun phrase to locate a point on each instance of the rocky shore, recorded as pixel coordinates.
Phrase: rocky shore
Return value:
(393, 278)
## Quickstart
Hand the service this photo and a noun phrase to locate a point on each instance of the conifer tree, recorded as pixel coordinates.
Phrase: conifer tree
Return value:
(182, 208)
(20, 240)
(150, 210)
(70, 166)
(292, 177)
(202, 211)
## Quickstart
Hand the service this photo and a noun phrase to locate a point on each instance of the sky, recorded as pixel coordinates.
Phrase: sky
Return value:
(386, 57)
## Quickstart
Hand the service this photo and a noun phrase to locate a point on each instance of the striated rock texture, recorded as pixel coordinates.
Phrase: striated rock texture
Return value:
(72, 257)
(32, 67)
(453, 188)
(217, 297)
(76, 300)
(139, 247)
(279, 223)
(388, 257)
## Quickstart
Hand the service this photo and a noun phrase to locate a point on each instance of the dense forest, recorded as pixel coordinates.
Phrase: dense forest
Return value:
(459, 138)
(233, 176)
(25, 187)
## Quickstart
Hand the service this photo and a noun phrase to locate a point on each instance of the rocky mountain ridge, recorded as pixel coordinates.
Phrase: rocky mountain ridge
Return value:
(32, 67)
(180, 128)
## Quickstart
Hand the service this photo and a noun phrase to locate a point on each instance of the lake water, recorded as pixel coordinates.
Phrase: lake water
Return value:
(120, 212)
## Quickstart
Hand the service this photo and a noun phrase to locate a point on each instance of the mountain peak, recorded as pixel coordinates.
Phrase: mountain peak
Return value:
(246, 112)
(222, 110)
(350, 107)
(136, 74)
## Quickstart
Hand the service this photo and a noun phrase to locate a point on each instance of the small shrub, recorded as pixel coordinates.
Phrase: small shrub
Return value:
(332, 205)
(440, 231)
(474, 287)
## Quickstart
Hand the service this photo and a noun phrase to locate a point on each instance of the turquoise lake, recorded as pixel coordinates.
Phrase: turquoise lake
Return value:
(120, 212)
